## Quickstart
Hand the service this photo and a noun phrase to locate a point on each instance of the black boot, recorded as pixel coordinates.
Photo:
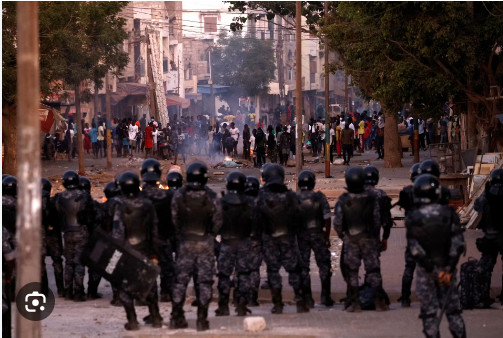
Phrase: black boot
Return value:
(202, 323)
(223, 305)
(165, 298)
(69, 292)
(379, 301)
(177, 320)
(241, 309)
(115, 298)
(277, 301)
(254, 298)
(326, 298)
(59, 283)
(405, 298)
(355, 305)
(308, 296)
(92, 288)
(132, 322)
(155, 317)
(300, 300)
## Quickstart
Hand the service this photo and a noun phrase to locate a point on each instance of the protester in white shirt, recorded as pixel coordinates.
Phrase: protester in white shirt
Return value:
(132, 131)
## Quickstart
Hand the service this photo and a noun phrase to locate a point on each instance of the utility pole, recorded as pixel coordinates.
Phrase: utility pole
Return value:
(29, 174)
(210, 82)
(281, 66)
(327, 117)
(346, 94)
(109, 125)
(298, 105)
(78, 113)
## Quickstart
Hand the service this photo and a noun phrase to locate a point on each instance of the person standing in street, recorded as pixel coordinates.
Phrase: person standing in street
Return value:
(132, 133)
(101, 141)
(238, 225)
(357, 216)
(278, 213)
(246, 142)
(234, 131)
(314, 235)
(135, 224)
(93, 134)
(380, 136)
(435, 240)
(195, 233)
(149, 142)
(347, 140)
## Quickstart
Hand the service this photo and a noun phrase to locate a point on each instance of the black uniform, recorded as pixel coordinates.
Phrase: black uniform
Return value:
(162, 203)
(315, 211)
(8, 262)
(237, 227)
(135, 222)
(278, 213)
(74, 213)
(491, 245)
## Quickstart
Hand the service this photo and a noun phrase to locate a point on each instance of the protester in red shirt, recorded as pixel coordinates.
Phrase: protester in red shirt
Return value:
(366, 135)
(149, 141)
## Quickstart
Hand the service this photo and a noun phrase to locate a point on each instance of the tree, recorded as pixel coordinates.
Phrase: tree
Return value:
(78, 41)
(246, 65)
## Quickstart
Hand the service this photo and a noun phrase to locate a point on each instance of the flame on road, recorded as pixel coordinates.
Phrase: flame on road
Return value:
(227, 158)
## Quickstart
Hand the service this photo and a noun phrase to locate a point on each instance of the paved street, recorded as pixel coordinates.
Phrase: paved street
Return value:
(98, 318)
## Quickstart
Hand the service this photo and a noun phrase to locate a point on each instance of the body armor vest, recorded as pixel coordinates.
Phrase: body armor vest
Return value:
(136, 219)
(358, 217)
(162, 204)
(276, 208)
(195, 213)
(310, 209)
(237, 217)
(71, 205)
(432, 229)
(407, 198)
(493, 225)
(9, 214)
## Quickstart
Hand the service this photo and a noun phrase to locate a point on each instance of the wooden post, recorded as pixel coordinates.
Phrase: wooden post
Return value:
(327, 117)
(151, 85)
(298, 103)
(29, 174)
(109, 124)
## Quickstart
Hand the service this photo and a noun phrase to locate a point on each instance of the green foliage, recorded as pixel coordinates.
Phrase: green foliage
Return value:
(246, 65)
(78, 41)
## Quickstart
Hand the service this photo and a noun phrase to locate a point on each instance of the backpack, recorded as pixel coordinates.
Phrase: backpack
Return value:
(367, 297)
(474, 284)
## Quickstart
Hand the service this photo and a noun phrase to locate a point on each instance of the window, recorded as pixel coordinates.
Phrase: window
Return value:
(270, 26)
(210, 24)
(165, 65)
(172, 23)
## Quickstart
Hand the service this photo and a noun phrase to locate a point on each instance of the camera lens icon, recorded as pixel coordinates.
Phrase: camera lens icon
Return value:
(33, 304)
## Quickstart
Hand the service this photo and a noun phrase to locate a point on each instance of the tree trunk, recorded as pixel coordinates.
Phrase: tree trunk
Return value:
(471, 127)
(9, 137)
(80, 150)
(392, 150)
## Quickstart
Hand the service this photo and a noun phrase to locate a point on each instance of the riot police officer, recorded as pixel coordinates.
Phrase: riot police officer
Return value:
(357, 216)
(52, 236)
(151, 175)
(491, 245)
(237, 227)
(197, 218)
(406, 202)
(314, 235)
(432, 167)
(8, 265)
(74, 210)
(9, 204)
(252, 187)
(135, 223)
(435, 240)
(174, 180)
(278, 213)
(106, 214)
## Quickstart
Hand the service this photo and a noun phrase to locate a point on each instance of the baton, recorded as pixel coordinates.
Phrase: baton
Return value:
(446, 299)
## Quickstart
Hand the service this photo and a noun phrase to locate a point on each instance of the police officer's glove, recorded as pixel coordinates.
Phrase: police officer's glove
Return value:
(444, 278)
(384, 245)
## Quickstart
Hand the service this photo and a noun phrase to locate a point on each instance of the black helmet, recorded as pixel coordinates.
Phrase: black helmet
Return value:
(427, 189)
(236, 180)
(151, 170)
(117, 178)
(46, 186)
(174, 180)
(111, 190)
(496, 176)
(306, 180)
(130, 184)
(273, 173)
(71, 179)
(9, 186)
(429, 167)
(197, 174)
(4, 176)
(371, 175)
(84, 184)
(414, 171)
(252, 186)
(355, 179)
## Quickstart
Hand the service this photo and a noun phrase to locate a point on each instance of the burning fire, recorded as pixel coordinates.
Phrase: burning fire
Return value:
(227, 159)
